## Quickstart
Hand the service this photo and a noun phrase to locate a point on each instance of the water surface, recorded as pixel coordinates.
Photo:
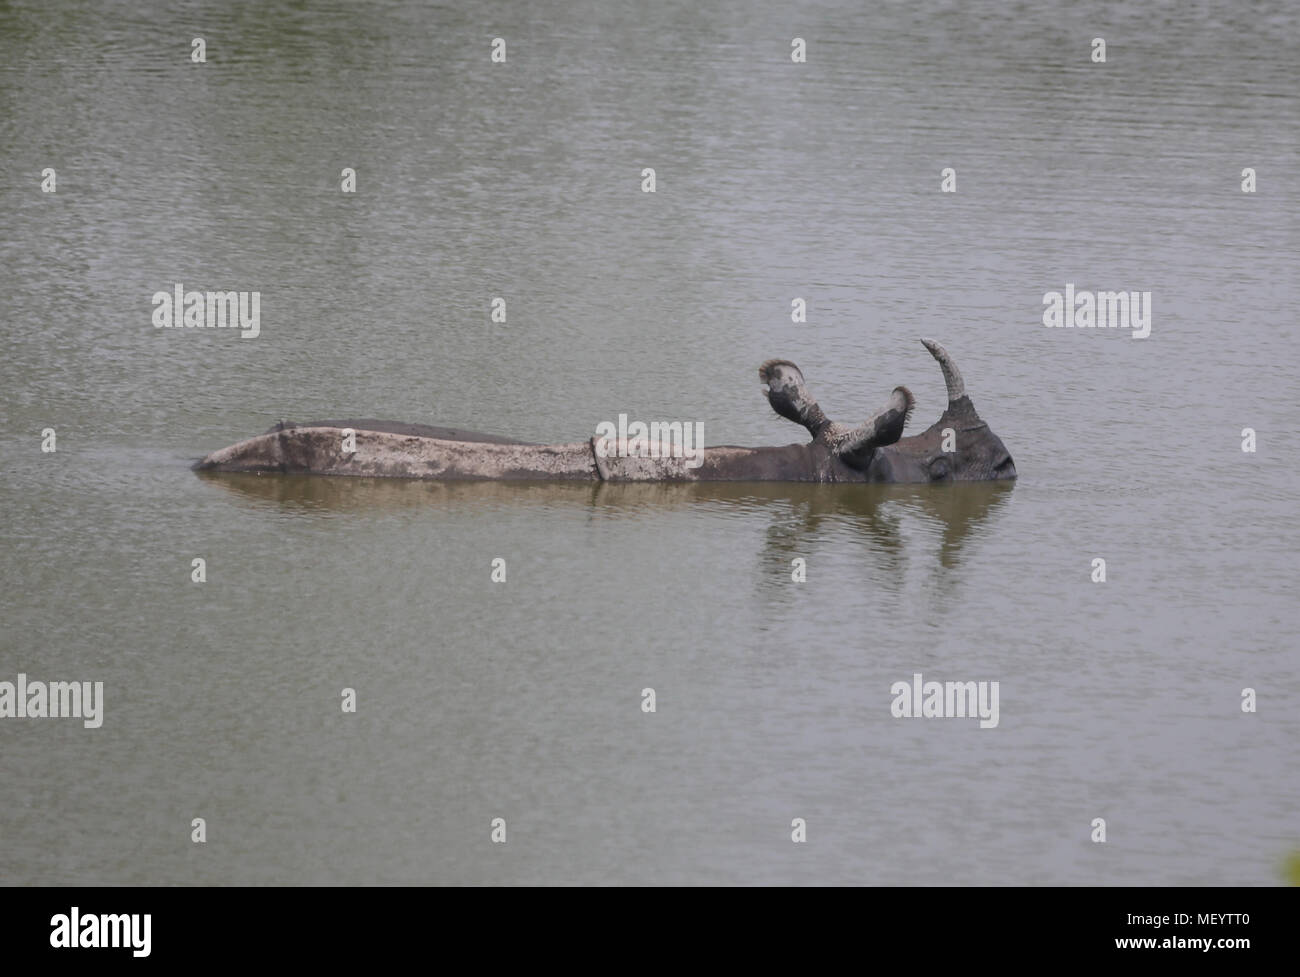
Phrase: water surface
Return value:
(522, 700)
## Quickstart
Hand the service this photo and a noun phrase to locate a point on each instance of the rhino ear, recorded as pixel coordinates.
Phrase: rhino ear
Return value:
(855, 447)
(785, 391)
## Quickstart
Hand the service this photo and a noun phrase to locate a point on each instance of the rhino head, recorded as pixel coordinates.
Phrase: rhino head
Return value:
(957, 447)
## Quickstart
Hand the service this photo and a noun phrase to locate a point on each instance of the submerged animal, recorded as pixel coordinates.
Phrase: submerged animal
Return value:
(957, 447)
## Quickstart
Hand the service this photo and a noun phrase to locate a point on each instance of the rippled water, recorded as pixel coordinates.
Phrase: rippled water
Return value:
(522, 700)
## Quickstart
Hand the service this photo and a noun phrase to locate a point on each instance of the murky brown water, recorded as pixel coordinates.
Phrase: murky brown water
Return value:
(522, 700)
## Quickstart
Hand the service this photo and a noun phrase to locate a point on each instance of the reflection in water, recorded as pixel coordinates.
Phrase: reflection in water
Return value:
(881, 517)
(877, 511)
(348, 493)
(799, 512)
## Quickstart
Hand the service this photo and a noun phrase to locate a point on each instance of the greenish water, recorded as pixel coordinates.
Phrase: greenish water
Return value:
(522, 699)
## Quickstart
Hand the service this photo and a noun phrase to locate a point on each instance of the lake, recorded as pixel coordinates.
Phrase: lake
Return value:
(523, 699)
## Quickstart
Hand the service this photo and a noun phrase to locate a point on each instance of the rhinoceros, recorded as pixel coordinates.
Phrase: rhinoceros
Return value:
(957, 447)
